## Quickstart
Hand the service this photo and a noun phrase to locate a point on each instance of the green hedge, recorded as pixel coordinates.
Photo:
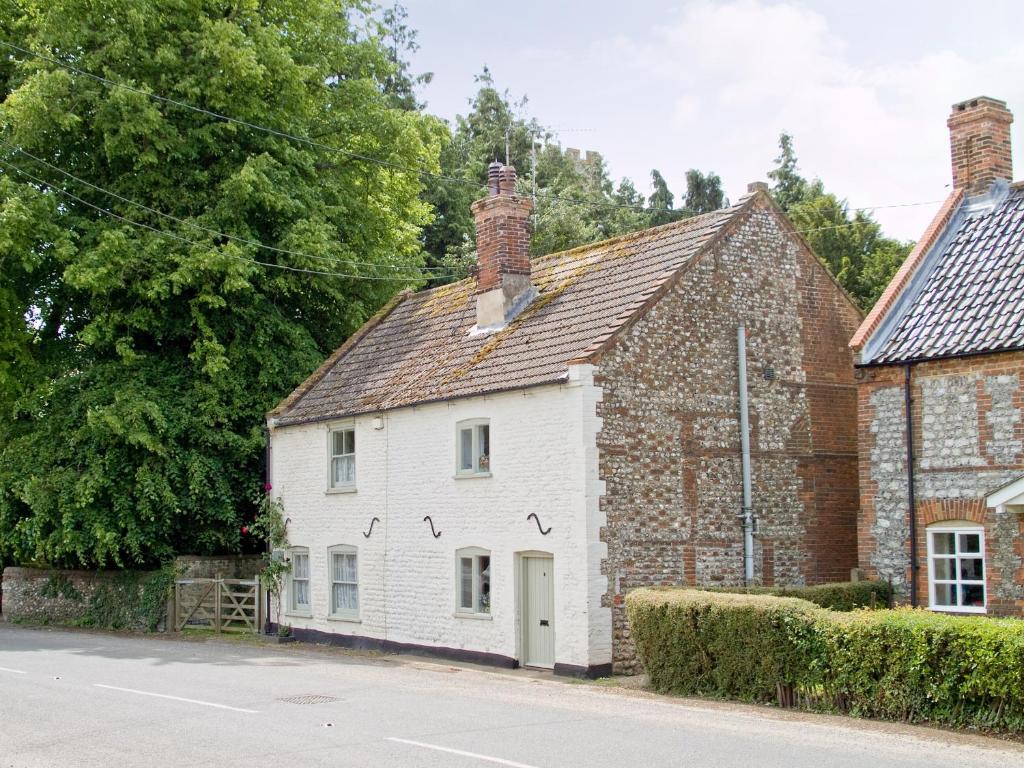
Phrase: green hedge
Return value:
(719, 644)
(903, 664)
(837, 596)
(916, 665)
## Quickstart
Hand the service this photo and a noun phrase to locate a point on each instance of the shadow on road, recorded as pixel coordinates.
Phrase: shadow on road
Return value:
(186, 648)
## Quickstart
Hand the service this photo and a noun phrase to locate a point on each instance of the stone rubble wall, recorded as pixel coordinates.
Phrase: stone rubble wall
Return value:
(49, 595)
(63, 596)
(219, 566)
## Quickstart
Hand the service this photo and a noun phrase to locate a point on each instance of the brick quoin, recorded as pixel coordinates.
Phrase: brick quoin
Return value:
(669, 445)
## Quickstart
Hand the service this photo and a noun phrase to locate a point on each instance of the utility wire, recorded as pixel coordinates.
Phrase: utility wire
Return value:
(852, 223)
(357, 155)
(189, 241)
(236, 121)
(428, 271)
(271, 265)
(423, 271)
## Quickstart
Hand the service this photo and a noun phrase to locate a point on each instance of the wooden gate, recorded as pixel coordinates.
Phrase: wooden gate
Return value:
(227, 605)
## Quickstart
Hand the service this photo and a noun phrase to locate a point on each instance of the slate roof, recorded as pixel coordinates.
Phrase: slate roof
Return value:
(971, 298)
(418, 349)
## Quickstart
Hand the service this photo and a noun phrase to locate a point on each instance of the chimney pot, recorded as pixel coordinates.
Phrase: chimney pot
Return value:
(494, 178)
(979, 140)
(507, 180)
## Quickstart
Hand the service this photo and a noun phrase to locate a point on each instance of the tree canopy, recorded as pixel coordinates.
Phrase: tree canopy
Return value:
(852, 247)
(200, 200)
(577, 202)
(167, 275)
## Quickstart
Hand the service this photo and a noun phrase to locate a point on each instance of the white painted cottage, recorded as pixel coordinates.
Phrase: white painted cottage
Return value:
(442, 472)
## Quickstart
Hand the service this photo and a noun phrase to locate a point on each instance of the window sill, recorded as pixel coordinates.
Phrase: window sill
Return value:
(956, 609)
(341, 489)
(475, 616)
(348, 619)
(471, 475)
(299, 614)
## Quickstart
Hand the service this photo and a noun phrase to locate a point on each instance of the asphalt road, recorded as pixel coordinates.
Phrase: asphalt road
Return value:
(74, 699)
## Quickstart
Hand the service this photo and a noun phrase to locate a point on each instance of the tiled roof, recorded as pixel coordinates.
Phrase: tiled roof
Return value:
(971, 300)
(890, 296)
(418, 349)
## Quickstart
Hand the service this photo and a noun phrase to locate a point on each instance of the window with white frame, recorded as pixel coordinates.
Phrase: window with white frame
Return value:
(473, 580)
(343, 457)
(298, 592)
(473, 445)
(956, 567)
(344, 562)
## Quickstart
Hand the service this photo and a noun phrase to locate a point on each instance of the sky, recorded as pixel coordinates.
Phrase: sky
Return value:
(864, 86)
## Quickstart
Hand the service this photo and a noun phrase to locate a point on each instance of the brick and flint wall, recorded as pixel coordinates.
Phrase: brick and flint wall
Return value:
(968, 431)
(669, 446)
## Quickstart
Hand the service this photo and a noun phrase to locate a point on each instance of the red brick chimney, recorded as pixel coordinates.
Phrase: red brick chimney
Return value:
(979, 139)
(502, 247)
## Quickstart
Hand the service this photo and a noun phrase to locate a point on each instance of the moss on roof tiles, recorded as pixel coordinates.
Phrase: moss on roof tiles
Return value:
(421, 352)
(446, 299)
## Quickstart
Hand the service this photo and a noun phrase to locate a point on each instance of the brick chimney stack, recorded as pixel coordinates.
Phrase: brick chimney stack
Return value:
(502, 247)
(979, 138)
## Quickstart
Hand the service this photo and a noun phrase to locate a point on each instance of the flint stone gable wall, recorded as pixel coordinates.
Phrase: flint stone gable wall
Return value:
(968, 440)
(669, 445)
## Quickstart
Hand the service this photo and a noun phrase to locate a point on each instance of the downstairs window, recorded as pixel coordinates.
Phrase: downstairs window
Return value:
(956, 567)
(473, 579)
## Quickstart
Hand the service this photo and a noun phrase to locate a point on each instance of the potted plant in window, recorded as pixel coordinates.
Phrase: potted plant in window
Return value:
(272, 525)
(484, 463)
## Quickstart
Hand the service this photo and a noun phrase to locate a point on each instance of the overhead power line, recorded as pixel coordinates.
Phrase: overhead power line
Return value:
(427, 271)
(190, 241)
(356, 155)
(244, 123)
(349, 153)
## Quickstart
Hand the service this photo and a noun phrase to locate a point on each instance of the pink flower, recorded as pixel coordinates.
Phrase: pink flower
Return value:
(267, 487)
(245, 530)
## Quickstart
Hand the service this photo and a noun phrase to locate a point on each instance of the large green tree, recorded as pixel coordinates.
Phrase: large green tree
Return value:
(704, 192)
(850, 244)
(576, 200)
(138, 352)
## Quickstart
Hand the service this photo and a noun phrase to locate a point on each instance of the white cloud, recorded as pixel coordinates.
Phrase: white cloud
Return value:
(720, 81)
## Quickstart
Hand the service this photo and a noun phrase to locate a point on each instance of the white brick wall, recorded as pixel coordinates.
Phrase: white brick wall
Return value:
(543, 460)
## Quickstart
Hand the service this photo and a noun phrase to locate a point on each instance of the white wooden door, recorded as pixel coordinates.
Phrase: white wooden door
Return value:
(538, 612)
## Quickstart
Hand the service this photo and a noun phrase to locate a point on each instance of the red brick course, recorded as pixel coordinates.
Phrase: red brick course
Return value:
(669, 443)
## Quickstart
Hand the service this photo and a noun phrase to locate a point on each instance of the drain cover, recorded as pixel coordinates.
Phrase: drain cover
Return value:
(309, 698)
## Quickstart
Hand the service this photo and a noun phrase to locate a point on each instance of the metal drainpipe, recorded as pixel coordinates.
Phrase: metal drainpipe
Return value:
(748, 513)
(907, 405)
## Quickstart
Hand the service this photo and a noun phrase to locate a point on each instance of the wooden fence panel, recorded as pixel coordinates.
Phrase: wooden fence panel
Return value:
(226, 605)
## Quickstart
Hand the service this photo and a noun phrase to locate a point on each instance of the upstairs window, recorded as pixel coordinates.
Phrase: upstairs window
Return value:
(298, 593)
(956, 567)
(473, 578)
(344, 582)
(343, 458)
(473, 442)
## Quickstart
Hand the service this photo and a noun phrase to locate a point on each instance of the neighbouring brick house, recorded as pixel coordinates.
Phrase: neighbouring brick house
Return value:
(947, 337)
(486, 468)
